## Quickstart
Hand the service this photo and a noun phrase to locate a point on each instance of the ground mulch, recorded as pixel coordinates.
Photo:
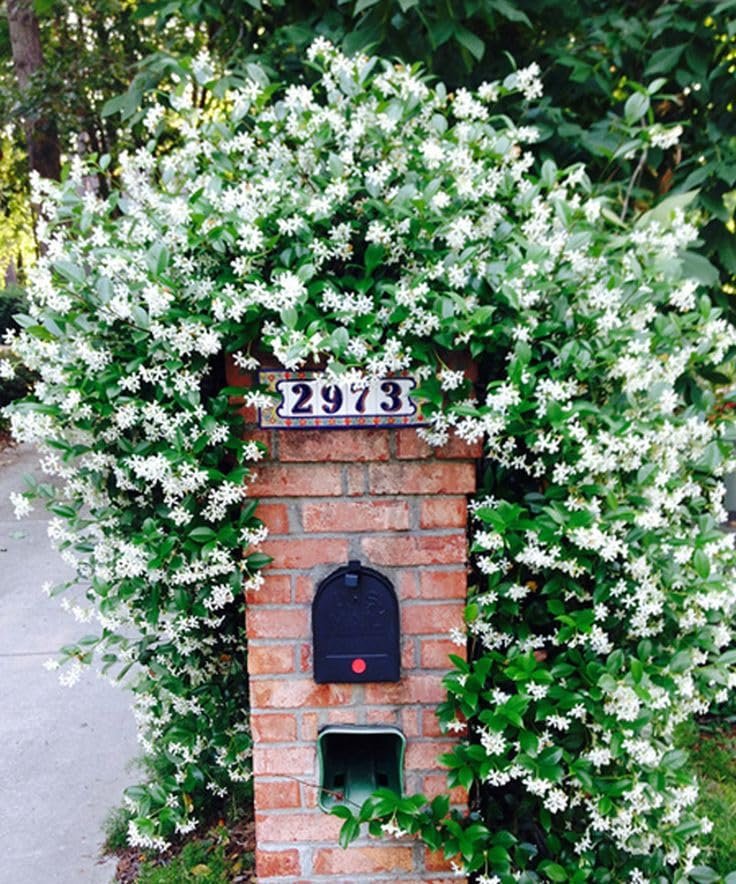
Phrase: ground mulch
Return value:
(241, 841)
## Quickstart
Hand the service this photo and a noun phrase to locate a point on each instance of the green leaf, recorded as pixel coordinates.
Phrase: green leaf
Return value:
(656, 85)
(373, 257)
(349, 831)
(441, 806)
(553, 871)
(114, 105)
(699, 267)
(157, 258)
(202, 534)
(362, 5)
(475, 46)
(662, 61)
(289, 317)
(440, 31)
(71, 272)
(636, 107)
(528, 741)
(637, 670)
(701, 563)
(342, 811)
(510, 11)
(663, 211)
(258, 560)
(704, 875)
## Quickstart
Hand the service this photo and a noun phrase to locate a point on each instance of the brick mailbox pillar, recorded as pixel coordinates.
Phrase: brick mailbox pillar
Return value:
(385, 499)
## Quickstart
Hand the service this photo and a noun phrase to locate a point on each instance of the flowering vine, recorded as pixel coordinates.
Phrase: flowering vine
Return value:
(370, 222)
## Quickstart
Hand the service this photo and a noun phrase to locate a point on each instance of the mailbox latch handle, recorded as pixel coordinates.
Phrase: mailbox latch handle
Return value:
(352, 575)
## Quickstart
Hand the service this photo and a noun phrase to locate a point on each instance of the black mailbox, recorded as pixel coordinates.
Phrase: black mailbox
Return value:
(355, 626)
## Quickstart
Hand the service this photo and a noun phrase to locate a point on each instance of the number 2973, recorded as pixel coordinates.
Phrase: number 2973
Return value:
(314, 398)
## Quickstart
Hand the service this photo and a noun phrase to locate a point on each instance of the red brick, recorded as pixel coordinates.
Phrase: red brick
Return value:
(318, 446)
(277, 623)
(436, 784)
(310, 796)
(408, 653)
(270, 659)
(410, 721)
(278, 795)
(275, 516)
(296, 480)
(290, 760)
(432, 618)
(443, 512)
(235, 376)
(453, 880)
(431, 477)
(341, 716)
(443, 584)
(304, 590)
(277, 864)
(459, 449)
(302, 693)
(356, 479)
(265, 437)
(382, 716)
(423, 756)
(434, 653)
(300, 552)
(305, 657)
(335, 861)
(290, 827)
(416, 549)
(431, 726)
(434, 861)
(247, 413)
(351, 516)
(410, 690)
(308, 725)
(410, 447)
(276, 728)
(407, 585)
(275, 591)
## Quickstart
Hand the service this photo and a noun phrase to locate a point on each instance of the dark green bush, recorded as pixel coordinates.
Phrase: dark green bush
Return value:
(12, 301)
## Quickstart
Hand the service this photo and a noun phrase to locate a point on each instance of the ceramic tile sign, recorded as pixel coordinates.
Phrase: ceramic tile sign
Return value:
(309, 400)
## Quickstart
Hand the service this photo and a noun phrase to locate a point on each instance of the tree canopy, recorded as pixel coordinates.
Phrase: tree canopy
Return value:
(615, 76)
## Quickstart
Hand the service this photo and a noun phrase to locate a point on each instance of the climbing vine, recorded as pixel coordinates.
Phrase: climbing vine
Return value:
(371, 222)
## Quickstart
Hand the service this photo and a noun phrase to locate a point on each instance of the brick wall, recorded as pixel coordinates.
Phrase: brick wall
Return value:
(383, 497)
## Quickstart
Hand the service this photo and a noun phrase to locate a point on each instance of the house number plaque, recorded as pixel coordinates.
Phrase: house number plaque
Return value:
(306, 400)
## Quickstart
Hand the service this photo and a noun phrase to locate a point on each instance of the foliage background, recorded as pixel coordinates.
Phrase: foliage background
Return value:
(594, 56)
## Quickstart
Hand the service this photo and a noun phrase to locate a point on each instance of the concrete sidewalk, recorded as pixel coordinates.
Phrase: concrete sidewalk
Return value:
(63, 751)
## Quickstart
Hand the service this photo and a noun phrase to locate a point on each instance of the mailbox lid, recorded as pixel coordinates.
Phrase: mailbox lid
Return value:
(355, 627)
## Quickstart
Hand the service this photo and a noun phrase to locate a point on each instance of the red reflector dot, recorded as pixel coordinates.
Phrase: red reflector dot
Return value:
(358, 666)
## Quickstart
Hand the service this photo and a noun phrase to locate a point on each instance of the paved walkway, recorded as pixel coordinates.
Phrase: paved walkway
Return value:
(63, 751)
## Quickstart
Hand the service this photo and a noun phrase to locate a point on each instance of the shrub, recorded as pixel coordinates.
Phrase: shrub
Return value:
(371, 222)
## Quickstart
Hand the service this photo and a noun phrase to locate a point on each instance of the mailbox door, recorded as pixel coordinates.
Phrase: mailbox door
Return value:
(355, 627)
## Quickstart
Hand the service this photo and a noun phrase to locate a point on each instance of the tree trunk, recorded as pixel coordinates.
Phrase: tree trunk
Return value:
(41, 134)
(11, 275)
